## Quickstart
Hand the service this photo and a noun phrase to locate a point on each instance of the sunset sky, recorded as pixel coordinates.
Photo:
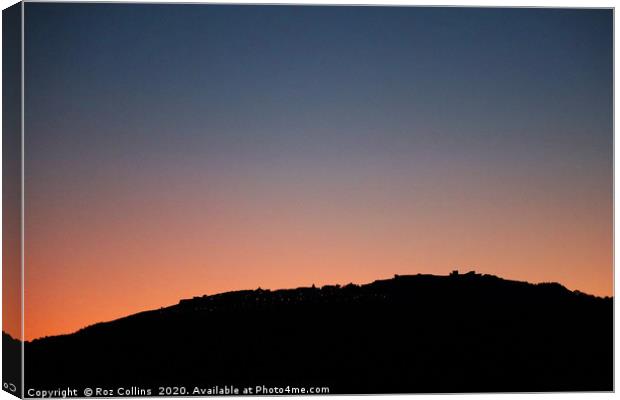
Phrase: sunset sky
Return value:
(181, 150)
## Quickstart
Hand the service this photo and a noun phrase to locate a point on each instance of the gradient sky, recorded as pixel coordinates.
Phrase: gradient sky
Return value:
(178, 150)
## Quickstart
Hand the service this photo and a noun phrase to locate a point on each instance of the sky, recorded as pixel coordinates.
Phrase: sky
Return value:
(11, 171)
(182, 150)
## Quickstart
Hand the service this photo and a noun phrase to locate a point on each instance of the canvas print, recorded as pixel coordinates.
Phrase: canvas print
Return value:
(205, 199)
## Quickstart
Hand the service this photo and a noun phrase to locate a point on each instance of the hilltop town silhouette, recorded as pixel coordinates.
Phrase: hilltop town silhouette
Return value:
(408, 334)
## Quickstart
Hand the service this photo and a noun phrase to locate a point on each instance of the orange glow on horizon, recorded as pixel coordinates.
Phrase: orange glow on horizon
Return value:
(113, 250)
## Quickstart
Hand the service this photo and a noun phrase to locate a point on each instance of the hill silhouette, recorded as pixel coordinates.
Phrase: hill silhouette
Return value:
(414, 334)
(11, 361)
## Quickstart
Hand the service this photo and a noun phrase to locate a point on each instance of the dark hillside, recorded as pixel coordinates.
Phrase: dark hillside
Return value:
(422, 333)
(11, 364)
